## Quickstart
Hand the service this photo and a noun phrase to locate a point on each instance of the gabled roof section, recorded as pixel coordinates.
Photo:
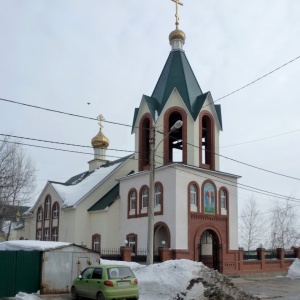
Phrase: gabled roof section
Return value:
(198, 104)
(107, 200)
(178, 73)
(153, 106)
(77, 178)
(136, 111)
(219, 114)
(79, 186)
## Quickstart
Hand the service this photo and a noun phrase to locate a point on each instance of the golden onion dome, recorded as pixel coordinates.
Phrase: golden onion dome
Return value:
(100, 140)
(177, 34)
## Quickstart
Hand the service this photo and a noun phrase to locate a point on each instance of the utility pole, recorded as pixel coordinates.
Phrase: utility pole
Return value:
(151, 198)
(153, 147)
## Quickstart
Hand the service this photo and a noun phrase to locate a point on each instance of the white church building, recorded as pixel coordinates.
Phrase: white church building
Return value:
(195, 203)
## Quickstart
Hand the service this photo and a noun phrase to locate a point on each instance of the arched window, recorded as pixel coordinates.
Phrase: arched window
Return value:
(47, 207)
(132, 200)
(54, 234)
(223, 199)
(40, 214)
(132, 204)
(55, 211)
(145, 198)
(46, 235)
(39, 235)
(157, 195)
(207, 142)
(96, 240)
(144, 146)
(193, 195)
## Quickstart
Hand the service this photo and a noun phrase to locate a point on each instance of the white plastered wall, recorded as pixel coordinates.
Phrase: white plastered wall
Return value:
(100, 222)
(175, 180)
(139, 226)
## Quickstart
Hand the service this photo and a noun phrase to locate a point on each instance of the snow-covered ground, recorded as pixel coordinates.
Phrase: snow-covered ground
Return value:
(174, 279)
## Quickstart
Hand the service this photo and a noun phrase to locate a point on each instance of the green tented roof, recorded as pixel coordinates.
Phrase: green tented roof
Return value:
(177, 73)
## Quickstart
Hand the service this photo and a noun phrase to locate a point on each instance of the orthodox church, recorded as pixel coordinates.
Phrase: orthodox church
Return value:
(194, 204)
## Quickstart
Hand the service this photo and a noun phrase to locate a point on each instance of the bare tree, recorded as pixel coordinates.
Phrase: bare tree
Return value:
(284, 226)
(17, 181)
(252, 225)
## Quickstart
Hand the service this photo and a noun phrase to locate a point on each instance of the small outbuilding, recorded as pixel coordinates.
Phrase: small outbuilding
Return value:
(48, 267)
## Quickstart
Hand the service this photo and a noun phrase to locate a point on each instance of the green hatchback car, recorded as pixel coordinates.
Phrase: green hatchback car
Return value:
(106, 282)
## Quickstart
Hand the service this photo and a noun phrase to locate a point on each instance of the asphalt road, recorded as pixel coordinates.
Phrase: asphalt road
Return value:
(281, 288)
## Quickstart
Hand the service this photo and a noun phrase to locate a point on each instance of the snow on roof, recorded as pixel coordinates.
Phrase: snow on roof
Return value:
(71, 194)
(29, 245)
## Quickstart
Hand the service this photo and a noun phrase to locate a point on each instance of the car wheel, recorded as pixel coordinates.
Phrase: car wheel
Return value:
(74, 293)
(100, 296)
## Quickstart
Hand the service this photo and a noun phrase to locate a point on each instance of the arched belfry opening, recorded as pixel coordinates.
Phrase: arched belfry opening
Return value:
(144, 145)
(207, 142)
(175, 150)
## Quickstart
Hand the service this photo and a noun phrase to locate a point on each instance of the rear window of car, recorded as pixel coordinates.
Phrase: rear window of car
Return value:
(119, 273)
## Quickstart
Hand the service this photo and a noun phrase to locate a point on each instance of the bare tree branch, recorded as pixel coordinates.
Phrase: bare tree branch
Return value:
(17, 181)
(284, 226)
(252, 226)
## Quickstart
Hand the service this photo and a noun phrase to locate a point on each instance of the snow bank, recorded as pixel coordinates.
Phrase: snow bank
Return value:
(167, 280)
(24, 296)
(294, 269)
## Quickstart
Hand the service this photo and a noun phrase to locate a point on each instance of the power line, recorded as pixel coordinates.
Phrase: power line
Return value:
(252, 82)
(51, 148)
(240, 162)
(270, 211)
(116, 123)
(62, 112)
(237, 185)
(261, 139)
(60, 143)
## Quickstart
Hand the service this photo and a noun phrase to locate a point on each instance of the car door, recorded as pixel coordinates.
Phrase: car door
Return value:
(83, 284)
(95, 283)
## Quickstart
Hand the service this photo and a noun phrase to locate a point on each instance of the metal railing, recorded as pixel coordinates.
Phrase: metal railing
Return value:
(271, 254)
(289, 253)
(111, 253)
(250, 254)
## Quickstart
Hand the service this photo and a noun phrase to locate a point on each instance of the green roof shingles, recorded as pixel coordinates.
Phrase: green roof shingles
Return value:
(177, 73)
(107, 199)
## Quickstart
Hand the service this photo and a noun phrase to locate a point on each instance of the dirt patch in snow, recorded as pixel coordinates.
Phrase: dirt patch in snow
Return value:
(217, 287)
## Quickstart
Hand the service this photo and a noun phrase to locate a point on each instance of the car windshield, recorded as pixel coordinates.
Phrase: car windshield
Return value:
(119, 273)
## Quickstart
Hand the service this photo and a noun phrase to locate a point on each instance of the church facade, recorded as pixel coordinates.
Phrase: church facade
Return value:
(195, 204)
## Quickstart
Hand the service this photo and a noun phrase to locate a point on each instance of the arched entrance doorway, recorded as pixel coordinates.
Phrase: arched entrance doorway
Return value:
(210, 249)
(161, 236)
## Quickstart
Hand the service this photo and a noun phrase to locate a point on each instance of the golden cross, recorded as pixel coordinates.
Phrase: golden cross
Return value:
(176, 15)
(100, 118)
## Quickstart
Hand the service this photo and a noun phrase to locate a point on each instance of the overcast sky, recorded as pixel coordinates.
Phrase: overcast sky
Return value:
(63, 54)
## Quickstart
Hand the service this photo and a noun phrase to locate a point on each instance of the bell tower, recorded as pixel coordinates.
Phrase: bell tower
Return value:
(178, 96)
